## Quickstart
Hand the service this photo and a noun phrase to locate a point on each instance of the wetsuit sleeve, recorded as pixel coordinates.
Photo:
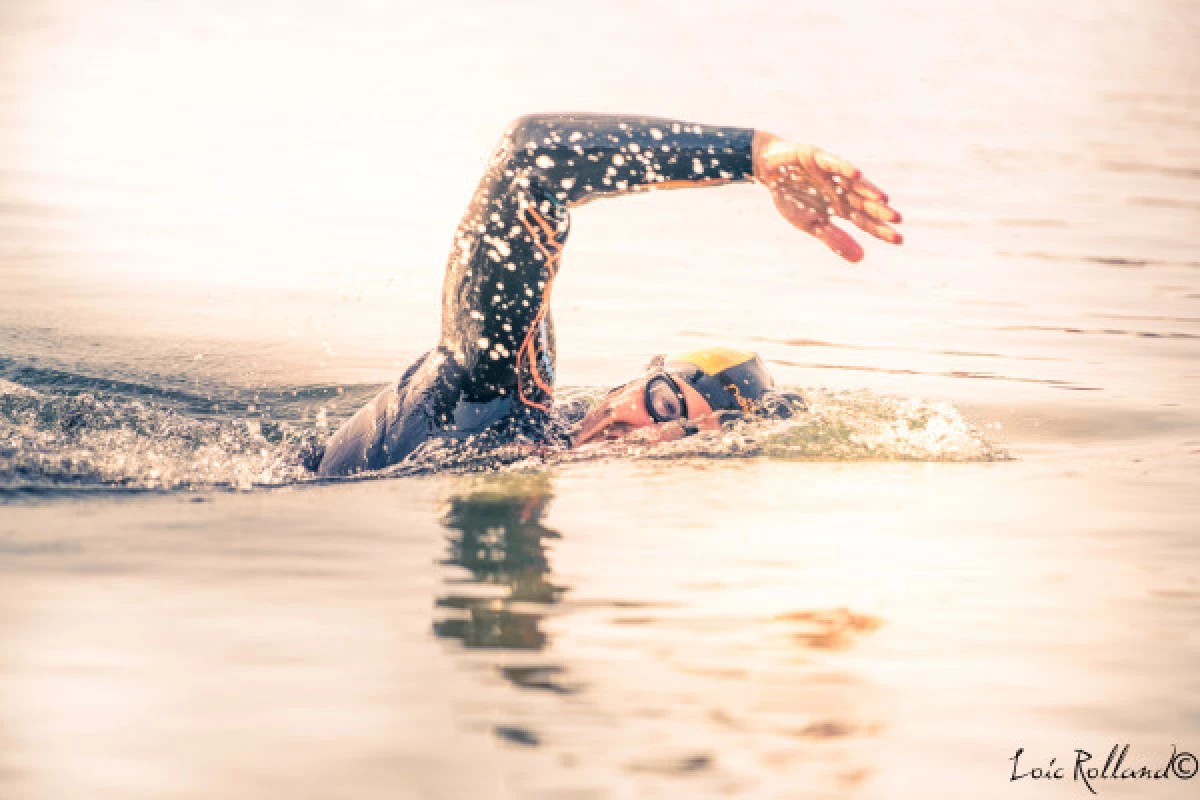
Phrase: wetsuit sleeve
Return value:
(579, 157)
(497, 334)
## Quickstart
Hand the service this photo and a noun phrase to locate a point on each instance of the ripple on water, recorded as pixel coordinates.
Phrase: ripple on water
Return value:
(1125, 262)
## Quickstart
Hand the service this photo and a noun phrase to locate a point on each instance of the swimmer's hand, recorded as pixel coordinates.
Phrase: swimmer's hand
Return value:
(810, 187)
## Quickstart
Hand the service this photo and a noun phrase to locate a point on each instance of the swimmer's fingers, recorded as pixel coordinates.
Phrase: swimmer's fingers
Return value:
(880, 230)
(839, 181)
(867, 198)
(819, 225)
(873, 218)
(849, 177)
(874, 210)
(854, 188)
(838, 241)
(815, 223)
(864, 188)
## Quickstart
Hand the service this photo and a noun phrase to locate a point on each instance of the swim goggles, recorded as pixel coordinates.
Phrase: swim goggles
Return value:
(664, 399)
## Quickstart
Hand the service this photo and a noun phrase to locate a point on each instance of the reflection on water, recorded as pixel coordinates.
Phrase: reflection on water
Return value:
(644, 673)
(603, 630)
(496, 534)
(834, 629)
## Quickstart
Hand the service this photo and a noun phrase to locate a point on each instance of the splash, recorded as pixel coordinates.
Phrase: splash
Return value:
(83, 441)
(840, 426)
(91, 440)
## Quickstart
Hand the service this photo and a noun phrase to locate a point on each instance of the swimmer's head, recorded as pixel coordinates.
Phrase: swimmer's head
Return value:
(684, 394)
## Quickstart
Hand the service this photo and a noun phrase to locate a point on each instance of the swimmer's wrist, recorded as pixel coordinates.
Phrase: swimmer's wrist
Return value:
(759, 147)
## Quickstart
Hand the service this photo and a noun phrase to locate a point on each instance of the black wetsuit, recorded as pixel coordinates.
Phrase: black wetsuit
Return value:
(492, 372)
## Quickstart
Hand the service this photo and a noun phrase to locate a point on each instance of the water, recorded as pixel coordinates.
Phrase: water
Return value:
(221, 227)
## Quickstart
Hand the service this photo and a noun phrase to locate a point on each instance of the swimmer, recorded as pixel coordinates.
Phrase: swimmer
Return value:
(490, 379)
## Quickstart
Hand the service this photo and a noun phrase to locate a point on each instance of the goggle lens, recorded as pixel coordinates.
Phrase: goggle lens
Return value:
(664, 399)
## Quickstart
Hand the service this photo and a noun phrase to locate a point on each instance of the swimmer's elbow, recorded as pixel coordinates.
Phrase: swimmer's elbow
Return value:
(535, 133)
(523, 132)
(519, 139)
(534, 145)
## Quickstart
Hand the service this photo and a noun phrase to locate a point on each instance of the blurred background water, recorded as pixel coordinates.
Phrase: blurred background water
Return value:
(222, 225)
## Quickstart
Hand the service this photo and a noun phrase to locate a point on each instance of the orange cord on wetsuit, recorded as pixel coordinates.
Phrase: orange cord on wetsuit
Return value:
(552, 263)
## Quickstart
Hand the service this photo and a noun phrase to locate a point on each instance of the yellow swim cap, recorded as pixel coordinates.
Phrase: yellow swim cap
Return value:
(728, 379)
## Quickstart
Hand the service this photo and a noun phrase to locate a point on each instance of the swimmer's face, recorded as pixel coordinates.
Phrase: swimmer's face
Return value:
(658, 406)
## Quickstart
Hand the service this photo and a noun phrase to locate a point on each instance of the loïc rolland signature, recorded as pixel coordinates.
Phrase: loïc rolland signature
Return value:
(1180, 765)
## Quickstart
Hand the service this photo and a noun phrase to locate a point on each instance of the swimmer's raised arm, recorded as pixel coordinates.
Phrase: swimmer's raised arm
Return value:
(496, 323)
